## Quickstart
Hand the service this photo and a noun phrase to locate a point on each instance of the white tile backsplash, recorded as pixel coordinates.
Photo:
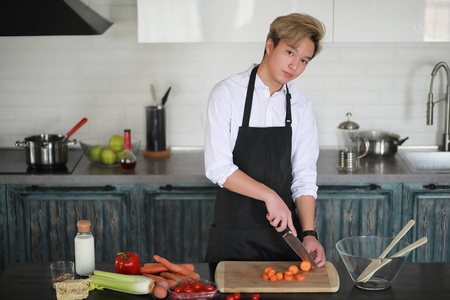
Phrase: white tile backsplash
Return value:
(47, 84)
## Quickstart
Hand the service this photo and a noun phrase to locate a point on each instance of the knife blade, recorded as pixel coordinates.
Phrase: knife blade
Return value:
(298, 247)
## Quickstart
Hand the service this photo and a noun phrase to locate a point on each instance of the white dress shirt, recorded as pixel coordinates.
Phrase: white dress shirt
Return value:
(224, 117)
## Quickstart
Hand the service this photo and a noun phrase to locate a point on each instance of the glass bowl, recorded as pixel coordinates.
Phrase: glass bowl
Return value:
(359, 252)
(99, 152)
(189, 288)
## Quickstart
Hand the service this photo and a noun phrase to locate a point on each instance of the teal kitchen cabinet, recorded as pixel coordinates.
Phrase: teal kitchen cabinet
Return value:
(175, 221)
(429, 206)
(359, 209)
(42, 220)
(3, 230)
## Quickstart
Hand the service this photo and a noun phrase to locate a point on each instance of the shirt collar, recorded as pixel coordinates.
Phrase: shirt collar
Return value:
(260, 84)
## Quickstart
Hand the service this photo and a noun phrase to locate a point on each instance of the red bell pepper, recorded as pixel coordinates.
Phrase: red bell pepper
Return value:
(128, 263)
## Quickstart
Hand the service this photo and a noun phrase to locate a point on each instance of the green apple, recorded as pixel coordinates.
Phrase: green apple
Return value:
(95, 153)
(116, 143)
(108, 157)
(119, 154)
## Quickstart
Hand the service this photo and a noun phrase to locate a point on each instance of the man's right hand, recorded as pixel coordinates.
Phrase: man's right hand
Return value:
(279, 215)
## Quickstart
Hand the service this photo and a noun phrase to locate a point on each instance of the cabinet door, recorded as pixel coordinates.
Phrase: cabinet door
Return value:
(391, 21)
(429, 206)
(352, 210)
(4, 254)
(176, 221)
(220, 21)
(42, 221)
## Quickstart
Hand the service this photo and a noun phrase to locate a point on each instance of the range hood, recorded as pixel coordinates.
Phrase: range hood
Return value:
(49, 17)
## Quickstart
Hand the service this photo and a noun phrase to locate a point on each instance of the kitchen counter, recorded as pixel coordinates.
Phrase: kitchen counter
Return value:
(187, 167)
(414, 281)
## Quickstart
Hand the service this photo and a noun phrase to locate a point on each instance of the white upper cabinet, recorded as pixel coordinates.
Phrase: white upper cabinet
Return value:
(391, 21)
(246, 21)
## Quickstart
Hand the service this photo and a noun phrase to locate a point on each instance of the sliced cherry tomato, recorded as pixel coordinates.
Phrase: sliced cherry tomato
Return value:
(209, 288)
(188, 290)
(255, 297)
(236, 296)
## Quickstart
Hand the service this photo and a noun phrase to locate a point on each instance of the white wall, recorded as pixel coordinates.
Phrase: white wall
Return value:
(47, 84)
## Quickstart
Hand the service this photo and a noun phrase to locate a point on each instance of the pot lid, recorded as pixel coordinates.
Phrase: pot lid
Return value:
(348, 125)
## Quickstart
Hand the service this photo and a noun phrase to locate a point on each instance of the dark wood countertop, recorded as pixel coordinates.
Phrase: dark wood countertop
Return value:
(414, 281)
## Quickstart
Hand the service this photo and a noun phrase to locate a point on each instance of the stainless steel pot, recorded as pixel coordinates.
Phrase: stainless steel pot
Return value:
(383, 143)
(46, 150)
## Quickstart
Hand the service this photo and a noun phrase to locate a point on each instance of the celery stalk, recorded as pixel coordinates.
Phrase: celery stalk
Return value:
(131, 284)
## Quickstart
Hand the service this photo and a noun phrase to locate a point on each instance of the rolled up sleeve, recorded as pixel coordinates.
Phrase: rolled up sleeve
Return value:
(218, 143)
(305, 152)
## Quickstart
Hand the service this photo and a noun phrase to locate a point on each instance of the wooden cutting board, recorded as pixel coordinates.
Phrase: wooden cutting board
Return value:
(246, 277)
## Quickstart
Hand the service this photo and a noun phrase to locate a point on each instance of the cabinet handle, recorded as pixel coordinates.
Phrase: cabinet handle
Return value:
(169, 187)
(37, 188)
(433, 186)
(370, 187)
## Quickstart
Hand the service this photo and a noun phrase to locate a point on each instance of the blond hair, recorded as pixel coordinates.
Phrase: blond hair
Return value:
(295, 28)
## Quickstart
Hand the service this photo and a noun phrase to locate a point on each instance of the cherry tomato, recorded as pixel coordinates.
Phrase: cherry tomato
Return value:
(209, 288)
(188, 290)
(236, 296)
(255, 297)
(179, 289)
(198, 286)
(231, 297)
(174, 296)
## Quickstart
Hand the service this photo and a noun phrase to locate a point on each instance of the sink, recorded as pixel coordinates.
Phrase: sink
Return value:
(428, 161)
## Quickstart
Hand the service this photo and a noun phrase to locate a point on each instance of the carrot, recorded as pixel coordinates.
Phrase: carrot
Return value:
(271, 272)
(279, 275)
(265, 276)
(153, 269)
(190, 267)
(176, 268)
(157, 278)
(273, 278)
(169, 275)
(289, 276)
(266, 270)
(305, 266)
(300, 277)
(293, 269)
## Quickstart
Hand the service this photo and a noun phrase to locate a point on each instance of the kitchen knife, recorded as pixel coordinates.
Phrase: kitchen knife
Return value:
(298, 247)
(164, 98)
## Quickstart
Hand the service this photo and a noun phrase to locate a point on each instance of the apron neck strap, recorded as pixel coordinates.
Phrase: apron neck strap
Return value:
(288, 108)
(249, 100)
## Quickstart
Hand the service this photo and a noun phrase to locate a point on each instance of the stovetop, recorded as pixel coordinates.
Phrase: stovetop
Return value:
(13, 161)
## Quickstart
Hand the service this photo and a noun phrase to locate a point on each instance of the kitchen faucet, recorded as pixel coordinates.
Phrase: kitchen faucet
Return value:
(430, 103)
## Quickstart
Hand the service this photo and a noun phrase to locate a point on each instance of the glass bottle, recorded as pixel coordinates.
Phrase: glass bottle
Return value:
(84, 249)
(127, 159)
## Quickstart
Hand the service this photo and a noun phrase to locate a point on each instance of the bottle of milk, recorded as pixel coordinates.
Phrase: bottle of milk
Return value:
(84, 249)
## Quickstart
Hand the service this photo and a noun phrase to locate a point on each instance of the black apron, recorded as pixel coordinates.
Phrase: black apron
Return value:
(241, 230)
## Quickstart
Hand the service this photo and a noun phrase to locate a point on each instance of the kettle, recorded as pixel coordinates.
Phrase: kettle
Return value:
(350, 141)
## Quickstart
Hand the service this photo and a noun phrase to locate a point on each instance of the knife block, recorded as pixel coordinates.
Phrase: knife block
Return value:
(156, 132)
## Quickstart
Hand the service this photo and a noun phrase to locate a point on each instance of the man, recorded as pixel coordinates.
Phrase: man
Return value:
(261, 147)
